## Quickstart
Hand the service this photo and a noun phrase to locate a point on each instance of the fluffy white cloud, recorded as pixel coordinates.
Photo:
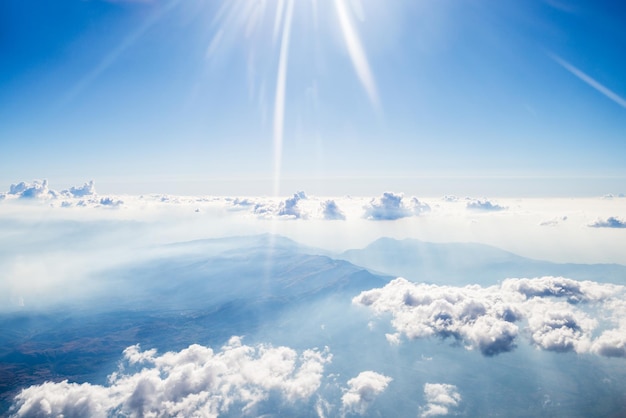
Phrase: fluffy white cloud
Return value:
(610, 222)
(290, 208)
(484, 205)
(36, 189)
(362, 390)
(331, 212)
(87, 189)
(193, 382)
(40, 189)
(611, 343)
(487, 318)
(440, 398)
(391, 206)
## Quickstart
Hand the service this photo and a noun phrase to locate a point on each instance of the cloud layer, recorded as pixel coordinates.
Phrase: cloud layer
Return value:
(556, 311)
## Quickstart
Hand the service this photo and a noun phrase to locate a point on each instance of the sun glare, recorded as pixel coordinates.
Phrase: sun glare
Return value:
(252, 22)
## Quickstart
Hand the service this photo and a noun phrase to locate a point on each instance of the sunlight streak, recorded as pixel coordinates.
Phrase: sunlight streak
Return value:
(279, 103)
(357, 53)
(590, 81)
(108, 60)
(280, 9)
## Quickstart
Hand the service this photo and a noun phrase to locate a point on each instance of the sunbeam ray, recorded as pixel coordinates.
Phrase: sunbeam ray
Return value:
(279, 103)
(590, 81)
(357, 53)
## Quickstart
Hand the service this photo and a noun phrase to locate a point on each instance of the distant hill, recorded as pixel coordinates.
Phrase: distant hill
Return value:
(257, 267)
(467, 263)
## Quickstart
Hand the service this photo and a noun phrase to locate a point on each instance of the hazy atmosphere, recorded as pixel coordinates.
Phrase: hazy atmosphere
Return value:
(312, 208)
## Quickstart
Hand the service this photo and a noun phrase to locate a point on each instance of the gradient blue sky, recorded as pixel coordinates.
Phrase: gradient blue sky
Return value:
(180, 96)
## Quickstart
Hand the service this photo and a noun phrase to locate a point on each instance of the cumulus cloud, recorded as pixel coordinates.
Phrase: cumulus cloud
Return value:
(39, 189)
(440, 398)
(193, 382)
(363, 390)
(557, 327)
(391, 206)
(36, 189)
(331, 212)
(610, 222)
(108, 201)
(611, 343)
(290, 208)
(488, 319)
(87, 189)
(484, 205)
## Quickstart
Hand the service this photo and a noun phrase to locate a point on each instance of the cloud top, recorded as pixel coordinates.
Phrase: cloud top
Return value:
(556, 311)
(195, 381)
(440, 398)
(484, 205)
(331, 211)
(36, 189)
(363, 390)
(391, 206)
(610, 222)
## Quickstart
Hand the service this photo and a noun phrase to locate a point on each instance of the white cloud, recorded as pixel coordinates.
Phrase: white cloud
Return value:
(518, 229)
(484, 205)
(331, 212)
(363, 390)
(109, 201)
(40, 189)
(289, 207)
(195, 381)
(36, 189)
(611, 343)
(440, 398)
(610, 222)
(487, 318)
(391, 206)
(87, 189)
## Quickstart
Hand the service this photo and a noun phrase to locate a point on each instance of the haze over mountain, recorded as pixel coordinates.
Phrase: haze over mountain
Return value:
(271, 290)
(467, 263)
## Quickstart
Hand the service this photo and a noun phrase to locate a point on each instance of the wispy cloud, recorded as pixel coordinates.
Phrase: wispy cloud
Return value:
(590, 81)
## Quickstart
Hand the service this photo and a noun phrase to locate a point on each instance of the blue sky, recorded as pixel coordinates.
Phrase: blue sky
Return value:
(182, 96)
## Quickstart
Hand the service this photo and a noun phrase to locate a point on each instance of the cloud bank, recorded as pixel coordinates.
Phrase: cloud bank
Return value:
(193, 382)
(556, 311)
(83, 196)
(391, 206)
